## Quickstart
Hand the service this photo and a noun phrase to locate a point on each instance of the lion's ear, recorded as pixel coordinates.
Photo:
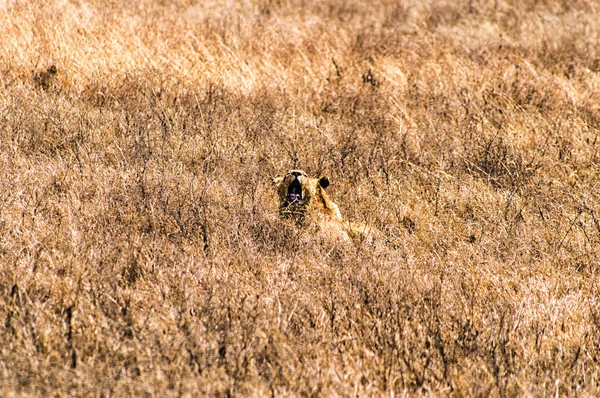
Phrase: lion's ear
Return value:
(324, 182)
(277, 180)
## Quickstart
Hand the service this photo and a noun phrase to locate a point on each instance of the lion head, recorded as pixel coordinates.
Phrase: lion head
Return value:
(301, 196)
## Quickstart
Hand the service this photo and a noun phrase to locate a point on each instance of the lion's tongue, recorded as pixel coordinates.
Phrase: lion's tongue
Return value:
(294, 196)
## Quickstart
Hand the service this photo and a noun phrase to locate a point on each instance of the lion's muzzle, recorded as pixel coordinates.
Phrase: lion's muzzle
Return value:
(294, 193)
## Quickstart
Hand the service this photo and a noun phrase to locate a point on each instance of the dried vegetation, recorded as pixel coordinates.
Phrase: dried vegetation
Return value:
(140, 249)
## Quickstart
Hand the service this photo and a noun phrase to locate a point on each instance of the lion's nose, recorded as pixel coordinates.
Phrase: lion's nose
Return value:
(296, 173)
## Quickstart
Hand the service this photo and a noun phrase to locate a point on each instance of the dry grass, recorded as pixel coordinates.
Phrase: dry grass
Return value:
(140, 248)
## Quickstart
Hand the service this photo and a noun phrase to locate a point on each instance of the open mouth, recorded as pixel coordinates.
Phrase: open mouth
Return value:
(294, 193)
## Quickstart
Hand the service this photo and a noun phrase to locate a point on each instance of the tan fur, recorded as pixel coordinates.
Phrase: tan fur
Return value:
(303, 199)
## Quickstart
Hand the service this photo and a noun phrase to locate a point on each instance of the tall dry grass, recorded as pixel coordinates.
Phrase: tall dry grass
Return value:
(140, 248)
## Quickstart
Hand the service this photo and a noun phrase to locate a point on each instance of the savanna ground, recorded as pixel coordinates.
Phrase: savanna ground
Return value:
(140, 247)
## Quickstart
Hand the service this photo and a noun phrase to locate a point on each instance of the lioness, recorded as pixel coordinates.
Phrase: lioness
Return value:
(304, 200)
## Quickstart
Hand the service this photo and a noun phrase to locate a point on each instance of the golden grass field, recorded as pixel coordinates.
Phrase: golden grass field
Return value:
(141, 251)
